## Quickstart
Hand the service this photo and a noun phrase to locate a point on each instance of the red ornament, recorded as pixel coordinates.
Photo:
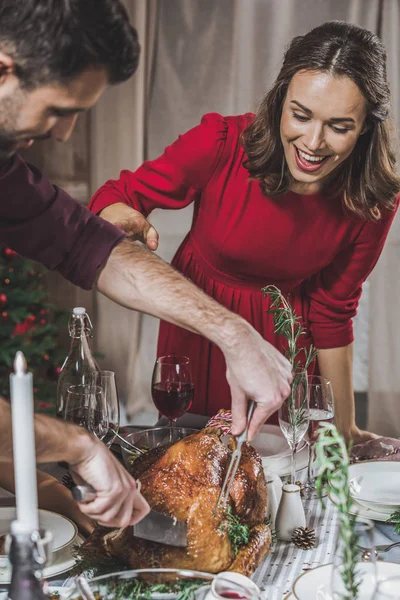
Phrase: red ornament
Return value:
(9, 253)
(4, 314)
(46, 357)
(3, 300)
(43, 321)
(25, 326)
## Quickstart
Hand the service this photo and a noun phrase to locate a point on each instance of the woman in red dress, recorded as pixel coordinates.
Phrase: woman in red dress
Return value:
(301, 195)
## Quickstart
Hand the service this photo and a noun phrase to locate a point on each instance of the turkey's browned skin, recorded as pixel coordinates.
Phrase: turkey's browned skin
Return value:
(184, 481)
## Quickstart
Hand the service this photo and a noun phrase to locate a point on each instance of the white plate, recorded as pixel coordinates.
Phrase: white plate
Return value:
(52, 589)
(315, 583)
(63, 562)
(376, 484)
(64, 531)
(275, 452)
(368, 513)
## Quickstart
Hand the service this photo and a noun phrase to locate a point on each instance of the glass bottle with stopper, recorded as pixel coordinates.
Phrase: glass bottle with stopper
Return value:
(80, 363)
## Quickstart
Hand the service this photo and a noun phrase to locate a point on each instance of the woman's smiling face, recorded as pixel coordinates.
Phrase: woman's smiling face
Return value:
(322, 118)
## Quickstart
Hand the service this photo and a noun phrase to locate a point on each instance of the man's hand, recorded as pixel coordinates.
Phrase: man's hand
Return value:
(118, 502)
(256, 370)
(132, 222)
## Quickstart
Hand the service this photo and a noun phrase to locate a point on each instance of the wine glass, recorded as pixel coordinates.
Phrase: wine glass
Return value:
(293, 415)
(172, 387)
(352, 578)
(105, 382)
(84, 406)
(321, 410)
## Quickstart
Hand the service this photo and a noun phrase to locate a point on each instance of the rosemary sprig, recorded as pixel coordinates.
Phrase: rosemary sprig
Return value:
(237, 532)
(332, 462)
(395, 519)
(288, 324)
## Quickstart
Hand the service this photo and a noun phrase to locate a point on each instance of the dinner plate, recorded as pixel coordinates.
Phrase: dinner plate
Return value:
(376, 484)
(315, 583)
(64, 531)
(63, 562)
(62, 592)
(275, 452)
(368, 512)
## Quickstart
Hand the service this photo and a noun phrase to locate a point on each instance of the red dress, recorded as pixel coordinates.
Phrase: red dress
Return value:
(241, 241)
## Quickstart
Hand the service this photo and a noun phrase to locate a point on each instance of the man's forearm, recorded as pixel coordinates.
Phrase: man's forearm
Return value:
(55, 440)
(136, 278)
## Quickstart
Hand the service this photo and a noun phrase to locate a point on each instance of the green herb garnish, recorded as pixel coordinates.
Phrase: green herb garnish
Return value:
(238, 533)
(332, 462)
(395, 520)
(288, 324)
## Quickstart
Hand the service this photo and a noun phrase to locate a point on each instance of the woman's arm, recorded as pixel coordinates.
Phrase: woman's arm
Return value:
(336, 365)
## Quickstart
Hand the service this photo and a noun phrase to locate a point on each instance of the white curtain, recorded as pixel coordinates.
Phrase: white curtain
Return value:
(118, 134)
(384, 346)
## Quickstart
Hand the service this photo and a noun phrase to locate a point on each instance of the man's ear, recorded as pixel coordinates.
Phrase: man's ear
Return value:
(7, 65)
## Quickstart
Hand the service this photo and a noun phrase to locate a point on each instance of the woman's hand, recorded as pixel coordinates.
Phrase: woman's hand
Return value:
(132, 222)
(358, 436)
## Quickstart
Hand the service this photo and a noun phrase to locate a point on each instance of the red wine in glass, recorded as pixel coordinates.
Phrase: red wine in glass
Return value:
(172, 387)
(317, 417)
(173, 399)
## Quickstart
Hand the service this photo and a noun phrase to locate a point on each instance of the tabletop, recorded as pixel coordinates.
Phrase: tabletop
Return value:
(278, 571)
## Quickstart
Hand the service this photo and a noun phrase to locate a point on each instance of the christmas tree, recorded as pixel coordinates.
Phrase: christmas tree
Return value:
(29, 323)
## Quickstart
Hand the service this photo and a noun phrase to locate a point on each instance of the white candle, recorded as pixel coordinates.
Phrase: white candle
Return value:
(21, 386)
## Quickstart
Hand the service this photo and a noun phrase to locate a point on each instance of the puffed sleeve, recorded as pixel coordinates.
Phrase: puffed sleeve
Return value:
(335, 291)
(172, 180)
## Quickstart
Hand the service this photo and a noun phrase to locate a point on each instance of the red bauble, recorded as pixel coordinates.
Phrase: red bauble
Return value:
(9, 253)
(25, 326)
(3, 300)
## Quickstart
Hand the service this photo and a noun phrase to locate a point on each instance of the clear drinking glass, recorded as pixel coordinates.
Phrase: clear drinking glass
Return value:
(84, 406)
(352, 578)
(172, 387)
(388, 589)
(321, 410)
(293, 415)
(105, 382)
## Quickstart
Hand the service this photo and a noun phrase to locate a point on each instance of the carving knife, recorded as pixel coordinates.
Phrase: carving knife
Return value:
(155, 526)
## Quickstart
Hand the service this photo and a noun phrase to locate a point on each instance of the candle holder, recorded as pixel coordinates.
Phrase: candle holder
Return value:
(29, 553)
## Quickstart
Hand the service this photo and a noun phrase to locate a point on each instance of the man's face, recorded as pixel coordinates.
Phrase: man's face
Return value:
(47, 111)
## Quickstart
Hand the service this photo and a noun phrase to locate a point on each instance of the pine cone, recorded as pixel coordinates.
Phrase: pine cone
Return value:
(304, 538)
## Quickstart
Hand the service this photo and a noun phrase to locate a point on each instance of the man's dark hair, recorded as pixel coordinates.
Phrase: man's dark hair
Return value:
(56, 40)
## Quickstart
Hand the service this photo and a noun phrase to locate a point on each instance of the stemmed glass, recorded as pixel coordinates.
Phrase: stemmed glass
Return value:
(352, 578)
(103, 382)
(321, 410)
(293, 415)
(172, 387)
(84, 406)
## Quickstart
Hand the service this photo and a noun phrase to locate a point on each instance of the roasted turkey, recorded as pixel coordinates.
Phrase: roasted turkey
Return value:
(183, 480)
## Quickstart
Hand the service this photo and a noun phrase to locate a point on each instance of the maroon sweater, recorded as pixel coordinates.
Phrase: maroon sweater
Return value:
(42, 222)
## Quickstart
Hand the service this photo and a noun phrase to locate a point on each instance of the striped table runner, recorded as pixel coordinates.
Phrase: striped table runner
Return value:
(286, 562)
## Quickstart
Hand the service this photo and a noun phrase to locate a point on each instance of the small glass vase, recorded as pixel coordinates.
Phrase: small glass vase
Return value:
(351, 578)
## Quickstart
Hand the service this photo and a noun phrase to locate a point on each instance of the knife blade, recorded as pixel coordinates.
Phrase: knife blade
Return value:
(155, 526)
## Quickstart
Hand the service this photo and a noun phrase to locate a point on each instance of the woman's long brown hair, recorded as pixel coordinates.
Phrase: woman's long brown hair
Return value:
(367, 179)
